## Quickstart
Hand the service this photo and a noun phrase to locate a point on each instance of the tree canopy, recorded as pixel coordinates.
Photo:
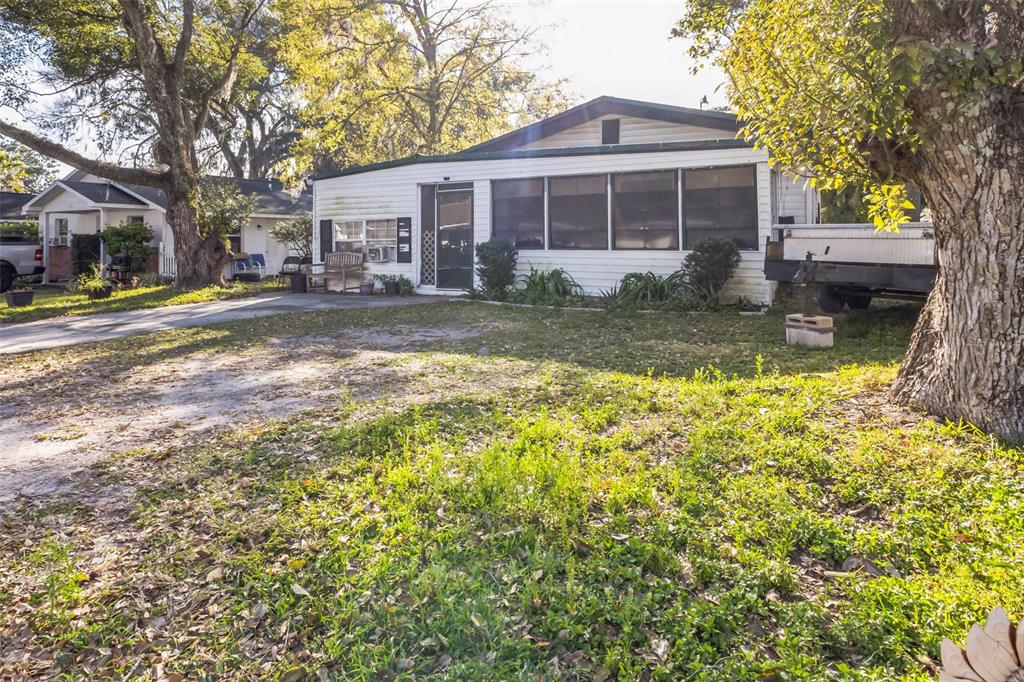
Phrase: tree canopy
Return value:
(418, 76)
(833, 88)
(23, 170)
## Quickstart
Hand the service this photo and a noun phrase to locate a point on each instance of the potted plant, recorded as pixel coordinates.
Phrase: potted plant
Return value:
(93, 284)
(16, 298)
(405, 287)
(366, 288)
(391, 283)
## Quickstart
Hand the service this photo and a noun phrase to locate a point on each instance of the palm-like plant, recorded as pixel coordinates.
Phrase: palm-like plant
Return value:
(995, 653)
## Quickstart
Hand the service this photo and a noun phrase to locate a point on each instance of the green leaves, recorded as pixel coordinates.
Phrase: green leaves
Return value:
(888, 206)
(815, 84)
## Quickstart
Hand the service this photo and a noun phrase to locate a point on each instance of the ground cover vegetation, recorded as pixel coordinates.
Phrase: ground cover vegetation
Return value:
(557, 494)
(53, 302)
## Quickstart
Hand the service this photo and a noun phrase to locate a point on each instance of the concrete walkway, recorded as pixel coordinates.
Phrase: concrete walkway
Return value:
(72, 330)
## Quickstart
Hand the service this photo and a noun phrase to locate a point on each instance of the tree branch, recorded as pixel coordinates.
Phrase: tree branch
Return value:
(104, 169)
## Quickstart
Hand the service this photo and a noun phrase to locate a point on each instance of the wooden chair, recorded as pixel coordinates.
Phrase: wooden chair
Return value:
(339, 266)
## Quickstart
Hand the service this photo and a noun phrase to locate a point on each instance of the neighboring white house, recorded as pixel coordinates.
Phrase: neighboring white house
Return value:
(81, 203)
(603, 189)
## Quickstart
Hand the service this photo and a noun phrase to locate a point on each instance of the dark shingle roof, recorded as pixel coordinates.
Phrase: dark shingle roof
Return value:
(102, 192)
(271, 196)
(11, 204)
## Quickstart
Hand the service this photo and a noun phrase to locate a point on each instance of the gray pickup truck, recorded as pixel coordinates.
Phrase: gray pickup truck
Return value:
(19, 259)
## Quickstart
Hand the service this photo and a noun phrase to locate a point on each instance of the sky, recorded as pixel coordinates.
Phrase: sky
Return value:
(620, 48)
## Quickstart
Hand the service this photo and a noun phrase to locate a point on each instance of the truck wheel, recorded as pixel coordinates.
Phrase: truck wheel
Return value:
(858, 301)
(830, 300)
(6, 278)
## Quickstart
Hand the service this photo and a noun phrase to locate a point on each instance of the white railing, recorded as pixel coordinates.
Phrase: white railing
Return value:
(168, 266)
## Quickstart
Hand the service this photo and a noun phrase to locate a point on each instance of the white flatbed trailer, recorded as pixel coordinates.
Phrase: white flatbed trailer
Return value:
(850, 264)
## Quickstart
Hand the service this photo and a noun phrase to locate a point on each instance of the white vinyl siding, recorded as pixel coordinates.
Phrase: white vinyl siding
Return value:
(795, 197)
(394, 192)
(632, 130)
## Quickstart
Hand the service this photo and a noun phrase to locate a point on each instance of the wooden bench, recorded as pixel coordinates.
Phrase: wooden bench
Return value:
(340, 266)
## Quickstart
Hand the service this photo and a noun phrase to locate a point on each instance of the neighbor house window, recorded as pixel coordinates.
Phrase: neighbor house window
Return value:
(61, 225)
(721, 202)
(235, 242)
(136, 219)
(518, 212)
(578, 212)
(645, 210)
(610, 131)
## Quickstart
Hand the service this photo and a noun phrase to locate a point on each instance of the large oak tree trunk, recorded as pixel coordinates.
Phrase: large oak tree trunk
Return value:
(966, 357)
(200, 257)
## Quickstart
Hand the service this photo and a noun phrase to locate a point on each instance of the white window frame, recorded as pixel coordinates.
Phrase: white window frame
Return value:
(63, 232)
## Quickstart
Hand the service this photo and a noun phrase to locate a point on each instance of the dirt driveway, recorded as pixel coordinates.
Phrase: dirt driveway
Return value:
(62, 411)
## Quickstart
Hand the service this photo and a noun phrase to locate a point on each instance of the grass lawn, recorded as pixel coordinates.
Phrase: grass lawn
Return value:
(545, 495)
(56, 302)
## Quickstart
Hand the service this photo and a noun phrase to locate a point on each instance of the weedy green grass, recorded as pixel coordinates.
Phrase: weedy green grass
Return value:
(630, 514)
(49, 303)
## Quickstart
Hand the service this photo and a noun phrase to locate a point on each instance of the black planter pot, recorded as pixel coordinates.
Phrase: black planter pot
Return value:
(98, 294)
(391, 288)
(298, 283)
(17, 299)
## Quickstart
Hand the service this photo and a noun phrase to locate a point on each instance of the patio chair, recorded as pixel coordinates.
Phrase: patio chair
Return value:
(242, 268)
(292, 265)
(258, 263)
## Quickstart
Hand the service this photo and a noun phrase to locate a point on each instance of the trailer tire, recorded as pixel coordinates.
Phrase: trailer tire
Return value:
(830, 300)
(858, 301)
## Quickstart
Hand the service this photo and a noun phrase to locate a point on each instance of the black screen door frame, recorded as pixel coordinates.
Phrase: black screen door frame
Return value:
(466, 257)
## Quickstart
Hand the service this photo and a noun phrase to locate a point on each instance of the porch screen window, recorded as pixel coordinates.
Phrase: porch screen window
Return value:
(645, 210)
(578, 211)
(721, 202)
(518, 212)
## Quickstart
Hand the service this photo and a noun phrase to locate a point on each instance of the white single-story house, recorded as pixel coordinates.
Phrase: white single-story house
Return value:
(81, 203)
(609, 187)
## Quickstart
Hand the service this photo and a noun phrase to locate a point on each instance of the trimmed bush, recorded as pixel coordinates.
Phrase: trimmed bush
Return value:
(129, 239)
(85, 252)
(496, 266)
(710, 265)
(19, 231)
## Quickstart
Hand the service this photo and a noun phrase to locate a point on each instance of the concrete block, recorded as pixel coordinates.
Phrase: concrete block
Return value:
(813, 331)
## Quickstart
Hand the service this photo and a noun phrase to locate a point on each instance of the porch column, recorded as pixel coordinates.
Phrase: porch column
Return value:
(99, 231)
(44, 227)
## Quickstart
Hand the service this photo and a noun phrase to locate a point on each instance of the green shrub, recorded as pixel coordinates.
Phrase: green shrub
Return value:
(19, 231)
(552, 287)
(91, 280)
(129, 239)
(85, 252)
(710, 265)
(295, 234)
(496, 267)
(649, 290)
